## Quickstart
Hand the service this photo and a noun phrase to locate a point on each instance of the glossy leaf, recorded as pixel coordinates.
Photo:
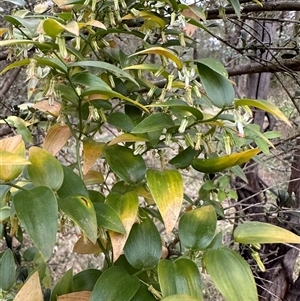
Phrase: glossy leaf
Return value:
(214, 65)
(12, 154)
(72, 184)
(93, 177)
(163, 52)
(126, 206)
(85, 280)
(154, 122)
(45, 169)
(143, 246)
(184, 158)
(38, 213)
(212, 165)
(4, 213)
(80, 210)
(197, 228)
(121, 121)
(123, 289)
(53, 28)
(105, 66)
(56, 138)
(31, 290)
(129, 167)
(231, 274)
(166, 188)
(147, 16)
(263, 233)
(218, 88)
(63, 286)
(108, 218)
(181, 276)
(7, 270)
(263, 105)
(143, 294)
(92, 150)
(21, 127)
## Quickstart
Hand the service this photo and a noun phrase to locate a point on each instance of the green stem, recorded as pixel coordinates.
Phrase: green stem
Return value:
(12, 185)
(106, 253)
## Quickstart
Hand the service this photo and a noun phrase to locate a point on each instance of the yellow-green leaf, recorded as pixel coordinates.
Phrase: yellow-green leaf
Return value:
(217, 164)
(263, 105)
(12, 153)
(166, 188)
(148, 16)
(263, 233)
(231, 274)
(163, 52)
(45, 169)
(126, 137)
(126, 206)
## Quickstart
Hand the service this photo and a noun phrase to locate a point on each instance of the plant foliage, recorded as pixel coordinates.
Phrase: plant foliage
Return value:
(125, 191)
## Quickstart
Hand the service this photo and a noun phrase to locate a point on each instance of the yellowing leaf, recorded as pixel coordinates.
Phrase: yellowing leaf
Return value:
(12, 153)
(148, 16)
(126, 137)
(2, 31)
(93, 177)
(92, 150)
(56, 138)
(31, 290)
(217, 164)
(166, 188)
(95, 23)
(263, 105)
(263, 233)
(126, 206)
(163, 52)
(53, 28)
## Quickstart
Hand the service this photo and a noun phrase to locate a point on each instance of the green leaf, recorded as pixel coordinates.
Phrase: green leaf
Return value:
(143, 294)
(89, 80)
(72, 184)
(4, 213)
(231, 274)
(216, 242)
(38, 213)
(217, 164)
(197, 228)
(154, 122)
(7, 270)
(214, 65)
(126, 137)
(63, 286)
(143, 246)
(54, 28)
(108, 218)
(181, 276)
(21, 127)
(218, 88)
(121, 121)
(263, 233)
(184, 158)
(45, 169)
(81, 211)
(129, 167)
(123, 289)
(148, 67)
(236, 6)
(85, 280)
(263, 105)
(166, 188)
(105, 66)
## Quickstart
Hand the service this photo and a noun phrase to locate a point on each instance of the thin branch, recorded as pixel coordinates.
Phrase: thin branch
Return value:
(8, 81)
(267, 6)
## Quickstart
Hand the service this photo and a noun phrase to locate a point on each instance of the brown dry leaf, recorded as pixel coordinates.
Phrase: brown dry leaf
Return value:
(189, 28)
(84, 246)
(62, 5)
(77, 296)
(56, 138)
(93, 177)
(13, 145)
(31, 290)
(92, 150)
(44, 106)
